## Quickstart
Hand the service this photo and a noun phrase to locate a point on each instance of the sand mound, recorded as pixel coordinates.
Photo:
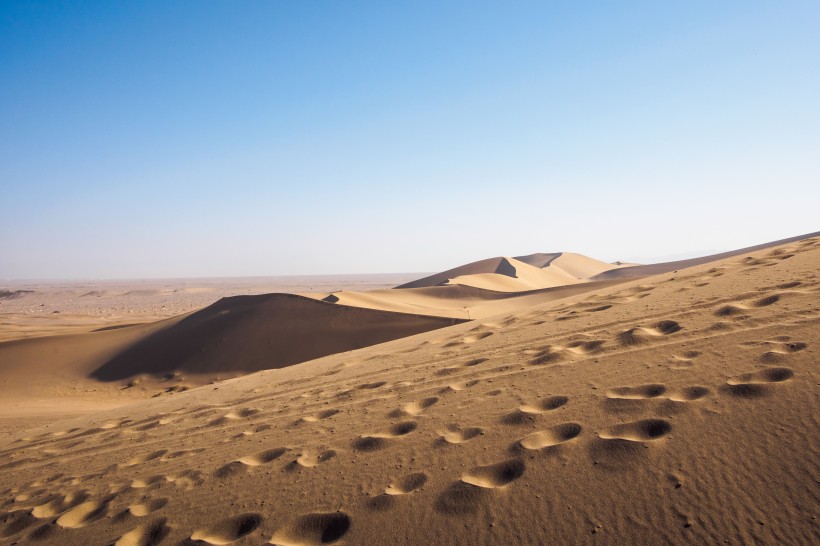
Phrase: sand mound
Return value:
(532, 272)
(461, 301)
(497, 266)
(251, 333)
(516, 277)
(580, 266)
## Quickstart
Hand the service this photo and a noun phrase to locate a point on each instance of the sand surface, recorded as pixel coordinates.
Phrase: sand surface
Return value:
(676, 408)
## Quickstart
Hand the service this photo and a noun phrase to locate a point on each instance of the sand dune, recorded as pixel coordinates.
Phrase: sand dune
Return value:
(631, 271)
(251, 333)
(486, 287)
(499, 266)
(580, 266)
(516, 277)
(234, 336)
(460, 301)
(639, 412)
(518, 274)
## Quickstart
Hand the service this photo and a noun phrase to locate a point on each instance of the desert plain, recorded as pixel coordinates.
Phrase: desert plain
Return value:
(542, 399)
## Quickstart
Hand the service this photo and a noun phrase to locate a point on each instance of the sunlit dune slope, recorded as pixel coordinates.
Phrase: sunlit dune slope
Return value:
(666, 267)
(460, 301)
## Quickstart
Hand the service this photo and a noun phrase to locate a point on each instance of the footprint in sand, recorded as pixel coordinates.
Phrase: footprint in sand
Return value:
(148, 483)
(553, 436)
(229, 530)
(468, 339)
(689, 394)
(147, 507)
(547, 355)
(585, 347)
(453, 369)
(146, 457)
(476, 485)
(684, 360)
(379, 440)
(83, 514)
(233, 416)
(730, 310)
(263, 457)
(720, 326)
(257, 429)
(621, 446)
(60, 504)
(414, 408)
(527, 413)
(453, 434)
(639, 334)
(644, 430)
(765, 302)
(641, 392)
(455, 387)
(737, 308)
(402, 486)
(494, 475)
(757, 384)
(309, 459)
(777, 351)
(148, 534)
(312, 529)
(407, 484)
(188, 479)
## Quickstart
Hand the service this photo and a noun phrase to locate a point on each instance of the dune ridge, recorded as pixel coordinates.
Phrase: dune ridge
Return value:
(631, 271)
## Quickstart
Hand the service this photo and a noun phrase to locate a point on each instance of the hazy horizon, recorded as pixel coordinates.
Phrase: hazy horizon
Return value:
(204, 140)
(361, 274)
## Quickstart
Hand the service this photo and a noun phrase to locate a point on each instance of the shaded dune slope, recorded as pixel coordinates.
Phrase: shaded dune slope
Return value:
(251, 333)
(499, 265)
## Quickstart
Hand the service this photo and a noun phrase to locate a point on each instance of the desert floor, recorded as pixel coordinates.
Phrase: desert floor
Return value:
(675, 407)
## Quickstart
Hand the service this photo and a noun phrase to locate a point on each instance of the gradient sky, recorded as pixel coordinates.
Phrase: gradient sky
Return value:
(201, 138)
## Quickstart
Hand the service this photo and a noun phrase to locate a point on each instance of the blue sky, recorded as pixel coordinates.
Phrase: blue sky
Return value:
(198, 138)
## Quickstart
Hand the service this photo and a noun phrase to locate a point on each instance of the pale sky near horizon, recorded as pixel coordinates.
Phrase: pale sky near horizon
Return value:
(203, 138)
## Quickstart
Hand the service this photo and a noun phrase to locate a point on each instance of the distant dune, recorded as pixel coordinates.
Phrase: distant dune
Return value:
(460, 301)
(517, 274)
